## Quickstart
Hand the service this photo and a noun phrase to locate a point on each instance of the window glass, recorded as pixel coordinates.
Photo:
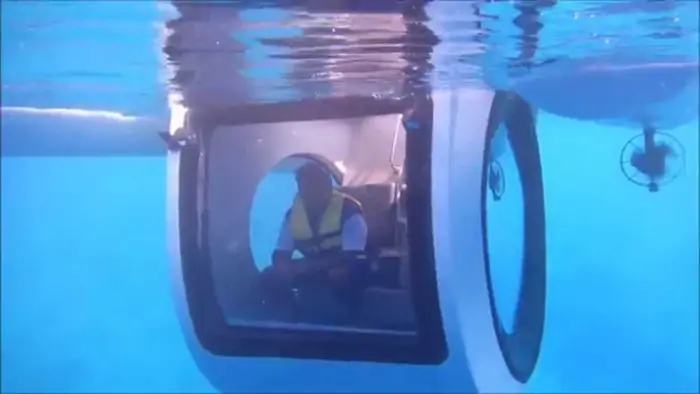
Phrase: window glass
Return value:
(504, 216)
(514, 214)
(304, 230)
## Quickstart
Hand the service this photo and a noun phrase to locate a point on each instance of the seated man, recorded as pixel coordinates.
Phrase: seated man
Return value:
(328, 228)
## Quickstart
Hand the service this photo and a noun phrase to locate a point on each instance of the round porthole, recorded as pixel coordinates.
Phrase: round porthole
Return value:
(273, 197)
(514, 241)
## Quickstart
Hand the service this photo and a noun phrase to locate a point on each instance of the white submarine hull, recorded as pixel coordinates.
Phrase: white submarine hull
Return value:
(477, 359)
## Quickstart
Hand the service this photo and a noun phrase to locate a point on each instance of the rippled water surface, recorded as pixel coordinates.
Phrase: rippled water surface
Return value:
(242, 51)
(321, 49)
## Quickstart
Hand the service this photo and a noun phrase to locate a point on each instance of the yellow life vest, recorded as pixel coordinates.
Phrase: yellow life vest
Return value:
(329, 234)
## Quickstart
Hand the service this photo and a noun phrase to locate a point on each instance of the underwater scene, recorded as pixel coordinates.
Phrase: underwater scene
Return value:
(350, 196)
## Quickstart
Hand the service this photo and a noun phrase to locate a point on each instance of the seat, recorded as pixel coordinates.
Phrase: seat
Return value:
(386, 304)
(379, 206)
(380, 213)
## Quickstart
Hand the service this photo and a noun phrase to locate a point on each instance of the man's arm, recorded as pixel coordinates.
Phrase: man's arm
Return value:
(285, 244)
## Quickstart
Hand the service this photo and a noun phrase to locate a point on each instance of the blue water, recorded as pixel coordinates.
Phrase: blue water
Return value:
(86, 296)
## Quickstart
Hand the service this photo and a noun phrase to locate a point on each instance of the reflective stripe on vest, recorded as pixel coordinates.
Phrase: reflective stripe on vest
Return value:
(329, 235)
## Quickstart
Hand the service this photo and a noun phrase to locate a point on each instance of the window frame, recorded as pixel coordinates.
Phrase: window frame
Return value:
(521, 348)
(427, 347)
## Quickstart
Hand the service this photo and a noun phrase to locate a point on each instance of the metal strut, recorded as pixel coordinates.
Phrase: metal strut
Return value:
(178, 140)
